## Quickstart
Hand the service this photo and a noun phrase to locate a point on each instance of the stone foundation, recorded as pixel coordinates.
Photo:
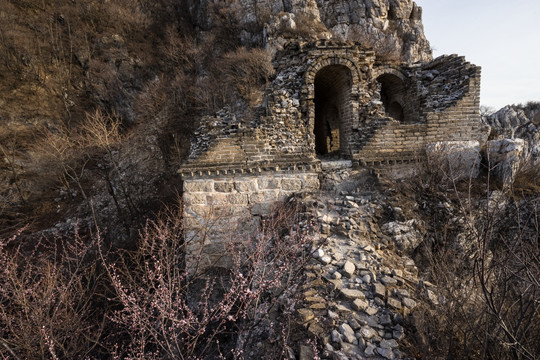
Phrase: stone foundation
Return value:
(219, 211)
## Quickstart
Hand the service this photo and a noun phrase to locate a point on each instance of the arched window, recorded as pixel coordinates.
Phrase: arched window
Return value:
(392, 96)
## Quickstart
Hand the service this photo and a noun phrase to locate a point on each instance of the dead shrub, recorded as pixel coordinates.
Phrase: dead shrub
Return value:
(486, 266)
(247, 71)
(527, 178)
(181, 52)
(47, 299)
(170, 313)
(386, 47)
(307, 26)
(59, 159)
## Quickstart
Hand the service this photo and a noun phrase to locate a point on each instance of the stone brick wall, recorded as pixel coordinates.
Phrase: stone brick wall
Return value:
(225, 209)
(442, 104)
(387, 114)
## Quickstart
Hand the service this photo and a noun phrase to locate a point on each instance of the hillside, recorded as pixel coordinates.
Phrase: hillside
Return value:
(120, 121)
(154, 68)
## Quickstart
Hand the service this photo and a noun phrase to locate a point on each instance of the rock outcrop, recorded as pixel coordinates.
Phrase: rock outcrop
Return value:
(392, 28)
(518, 122)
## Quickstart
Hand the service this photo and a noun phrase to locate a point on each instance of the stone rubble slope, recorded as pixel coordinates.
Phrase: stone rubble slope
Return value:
(360, 284)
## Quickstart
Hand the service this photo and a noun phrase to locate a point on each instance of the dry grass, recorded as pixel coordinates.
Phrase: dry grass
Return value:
(527, 179)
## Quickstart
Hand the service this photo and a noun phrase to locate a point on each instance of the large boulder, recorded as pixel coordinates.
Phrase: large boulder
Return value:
(406, 235)
(504, 158)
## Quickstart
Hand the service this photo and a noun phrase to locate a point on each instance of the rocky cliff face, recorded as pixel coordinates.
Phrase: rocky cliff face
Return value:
(392, 28)
(518, 122)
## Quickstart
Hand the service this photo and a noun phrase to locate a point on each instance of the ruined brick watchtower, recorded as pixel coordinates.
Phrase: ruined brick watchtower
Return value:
(329, 99)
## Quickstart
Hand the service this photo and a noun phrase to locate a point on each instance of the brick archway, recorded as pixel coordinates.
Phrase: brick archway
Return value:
(331, 95)
(332, 109)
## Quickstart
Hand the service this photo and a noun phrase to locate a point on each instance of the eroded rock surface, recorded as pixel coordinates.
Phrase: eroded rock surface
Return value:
(518, 122)
(393, 28)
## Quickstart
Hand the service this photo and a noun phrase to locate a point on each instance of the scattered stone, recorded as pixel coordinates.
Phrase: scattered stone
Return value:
(370, 349)
(348, 269)
(369, 248)
(402, 293)
(314, 299)
(389, 281)
(394, 303)
(315, 329)
(352, 294)
(332, 315)
(326, 259)
(405, 234)
(336, 337)
(319, 253)
(379, 290)
(371, 310)
(367, 332)
(397, 272)
(388, 344)
(355, 325)
(340, 356)
(362, 264)
(348, 333)
(410, 303)
(351, 350)
(385, 319)
(386, 353)
(328, 350)
(342, 308)
(318, 306)
(360, 304)
(398, 332)
(306, 315)
(306, 353)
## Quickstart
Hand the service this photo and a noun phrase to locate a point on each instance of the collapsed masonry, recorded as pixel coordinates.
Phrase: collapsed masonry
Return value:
(329, 99)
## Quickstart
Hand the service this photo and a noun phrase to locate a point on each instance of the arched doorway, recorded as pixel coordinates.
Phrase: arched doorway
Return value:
(392, 95)
(332, 109)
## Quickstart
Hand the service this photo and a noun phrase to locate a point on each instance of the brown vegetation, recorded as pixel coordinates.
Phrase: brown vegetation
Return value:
(139, 63)
(68, 297)
(482, 253)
